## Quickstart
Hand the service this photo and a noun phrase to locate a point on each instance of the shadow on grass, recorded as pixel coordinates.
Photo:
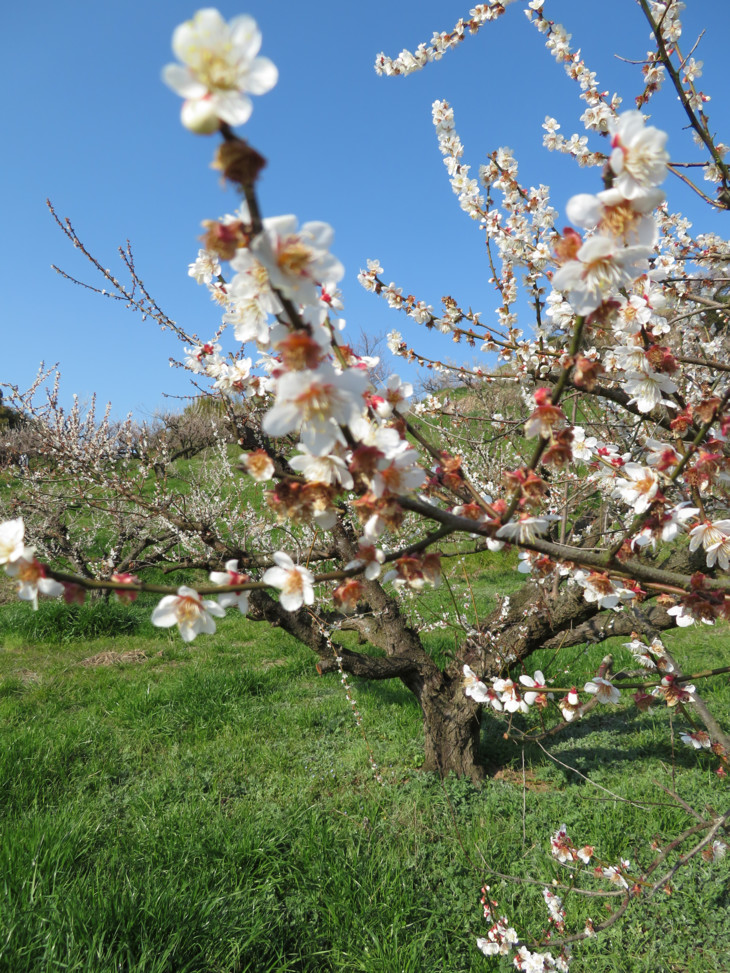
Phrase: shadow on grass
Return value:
(594, 743)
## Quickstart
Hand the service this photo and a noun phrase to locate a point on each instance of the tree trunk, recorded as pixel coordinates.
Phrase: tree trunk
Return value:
(451, 727)
(533, 619)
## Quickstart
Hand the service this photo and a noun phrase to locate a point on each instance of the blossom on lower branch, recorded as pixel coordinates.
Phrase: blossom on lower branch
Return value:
(604, 691)
(231, 576)
(699, 739)
(502, 939)
(317, 402)
(296, 259)
(295, 583)
(189, 612)
(30, 575)
(638, 158)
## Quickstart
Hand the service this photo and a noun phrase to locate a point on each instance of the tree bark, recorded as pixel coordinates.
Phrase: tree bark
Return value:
(451, 725)
(608, 625)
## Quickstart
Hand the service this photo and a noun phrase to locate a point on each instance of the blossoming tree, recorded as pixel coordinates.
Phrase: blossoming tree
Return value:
(612, 484)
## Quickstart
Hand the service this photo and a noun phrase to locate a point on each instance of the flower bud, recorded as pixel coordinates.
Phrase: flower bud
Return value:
(198, 115)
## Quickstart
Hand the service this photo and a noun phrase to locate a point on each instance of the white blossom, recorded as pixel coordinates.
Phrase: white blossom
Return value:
(639, 159)
(189, 612)
(220, 67)
(297, 260)
(294, 582)
(11, 540)
(231, 576)
(31, 577)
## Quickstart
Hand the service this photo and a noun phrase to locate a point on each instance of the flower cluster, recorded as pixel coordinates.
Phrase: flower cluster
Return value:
(407, 62)
(624, 232)
(502, 938)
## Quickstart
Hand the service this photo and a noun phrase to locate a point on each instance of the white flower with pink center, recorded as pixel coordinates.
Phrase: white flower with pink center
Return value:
(198, 358)
(630, 357)
(297, 261)
(646, 389)
(628, 221)
(637, 487)
(570, 705)
(714, 538)
(317, 402)
(474, 687)
(616, 873)
(583, 446)
(598, 587)
(369, 557)
(327, 469)
(395, 395)
(231, 575)
(699, 739)
(31, 578)
(220, 67)
(205, 268)
(526, 529)
(394, 342)
(295, 583)
(601, 267)
(561, 845)
(479, 692)
(681, 616)
(398, 472)
(603, 690)
(250, 320)
(258, 464)
(250, 299)
(510, 696)
(189, 612)
(234, 377)
(536, 686)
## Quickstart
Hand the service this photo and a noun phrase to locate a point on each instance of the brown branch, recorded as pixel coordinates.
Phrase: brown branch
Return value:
(608, 625)
(689, 111)
(370, 667)
(630, 568)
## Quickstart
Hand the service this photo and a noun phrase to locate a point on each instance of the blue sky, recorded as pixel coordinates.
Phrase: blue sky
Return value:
(93, 128)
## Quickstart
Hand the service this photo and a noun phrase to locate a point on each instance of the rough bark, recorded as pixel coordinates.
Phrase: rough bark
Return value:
(536, 620)
(532, 618)
(451, 721)
(451, 726)
(607, 625)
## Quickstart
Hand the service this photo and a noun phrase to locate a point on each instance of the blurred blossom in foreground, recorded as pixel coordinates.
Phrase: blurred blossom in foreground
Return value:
(220, 68)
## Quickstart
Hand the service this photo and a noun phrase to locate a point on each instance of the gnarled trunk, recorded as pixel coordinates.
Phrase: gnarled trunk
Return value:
(451, 729)
(533, 619)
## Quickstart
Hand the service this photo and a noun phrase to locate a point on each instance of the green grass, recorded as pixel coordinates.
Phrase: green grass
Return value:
(212, 809)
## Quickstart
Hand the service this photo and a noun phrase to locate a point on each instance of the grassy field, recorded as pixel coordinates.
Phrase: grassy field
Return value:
(166, 809)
